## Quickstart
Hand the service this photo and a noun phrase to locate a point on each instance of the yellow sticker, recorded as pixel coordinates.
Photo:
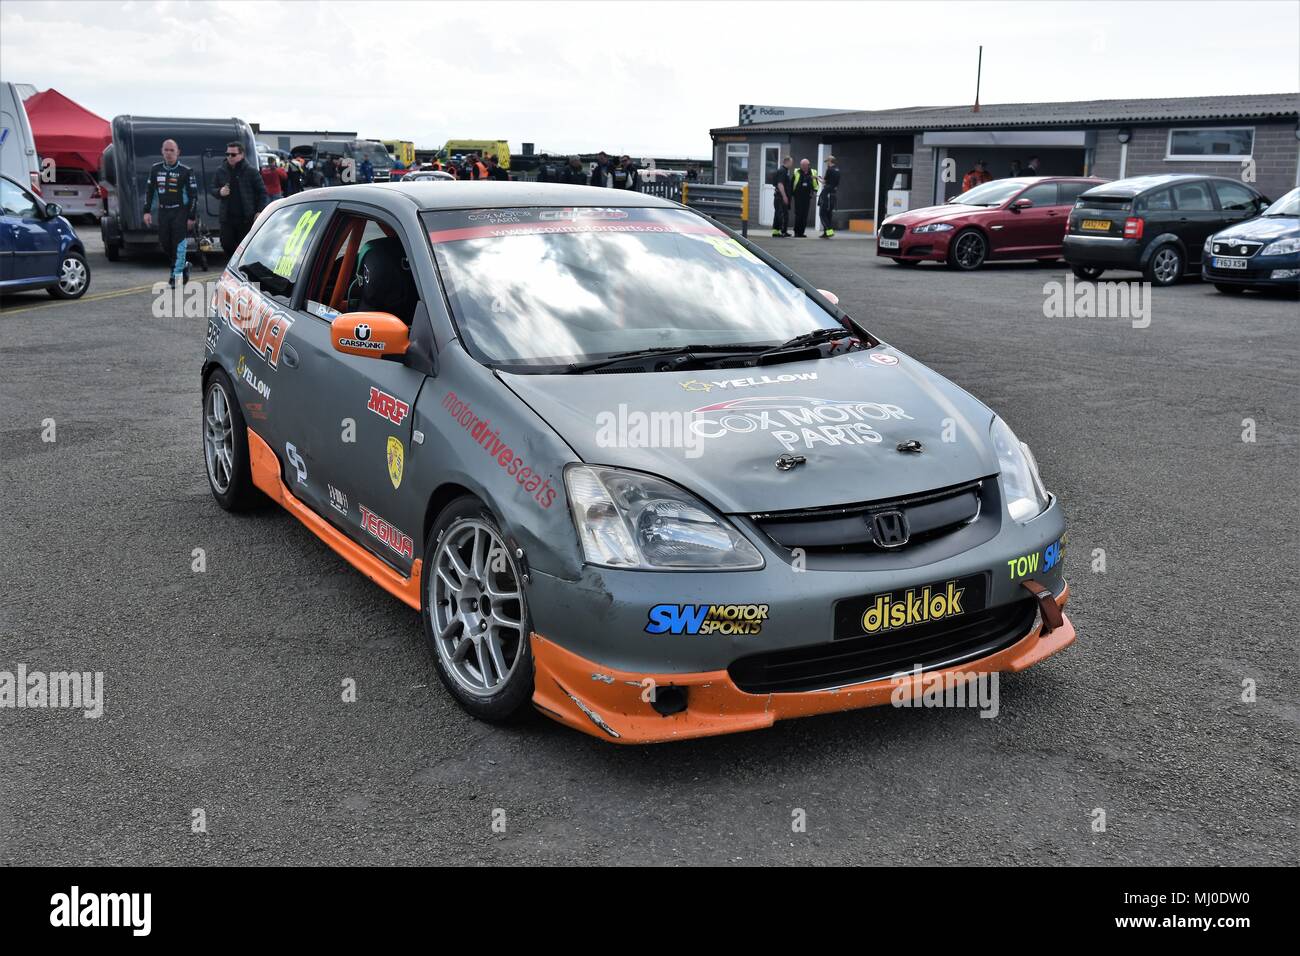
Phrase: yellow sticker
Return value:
(297, 241)
(396, 459)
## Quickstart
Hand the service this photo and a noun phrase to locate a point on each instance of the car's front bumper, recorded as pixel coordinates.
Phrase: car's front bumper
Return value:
(1261, 271)
(919, 247)
(620, 706)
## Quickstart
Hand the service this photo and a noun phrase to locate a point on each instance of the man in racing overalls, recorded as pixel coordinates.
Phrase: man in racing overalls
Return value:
(173, 187)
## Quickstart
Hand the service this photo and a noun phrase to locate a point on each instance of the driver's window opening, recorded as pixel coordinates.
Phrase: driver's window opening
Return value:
(364, 268)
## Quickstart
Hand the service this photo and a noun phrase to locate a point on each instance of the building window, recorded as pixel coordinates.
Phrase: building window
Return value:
(737, 163)
(1224, 144)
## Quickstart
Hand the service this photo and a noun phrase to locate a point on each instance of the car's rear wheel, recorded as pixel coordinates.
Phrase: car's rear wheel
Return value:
(1165, 267)
(475, 613)
(225, 445)
(968, 250)
(1229, 289)
(1088, 272)
(74, 277)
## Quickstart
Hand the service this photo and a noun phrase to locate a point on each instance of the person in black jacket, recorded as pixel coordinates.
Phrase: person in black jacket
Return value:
(573, 174)
(603, 172)
(242, 193)
(830, 187)
(626, 175)
(175, 190)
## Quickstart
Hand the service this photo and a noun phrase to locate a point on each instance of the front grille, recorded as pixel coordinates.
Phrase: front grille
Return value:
(1236, 247)
(876, 657)
(847, 528)
(894, 231)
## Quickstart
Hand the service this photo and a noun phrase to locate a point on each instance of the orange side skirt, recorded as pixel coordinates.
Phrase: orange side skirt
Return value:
(266, 476)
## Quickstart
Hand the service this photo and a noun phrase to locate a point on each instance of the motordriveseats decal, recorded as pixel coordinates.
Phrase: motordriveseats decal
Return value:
(259, 320)
(533, 482)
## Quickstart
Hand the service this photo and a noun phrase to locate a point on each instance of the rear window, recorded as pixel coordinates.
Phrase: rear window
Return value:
(1157, 201)
(537, 289)
(64, 176)
(1103, 202)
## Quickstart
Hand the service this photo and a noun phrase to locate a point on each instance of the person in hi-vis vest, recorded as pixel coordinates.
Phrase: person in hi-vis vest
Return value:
(805, 188)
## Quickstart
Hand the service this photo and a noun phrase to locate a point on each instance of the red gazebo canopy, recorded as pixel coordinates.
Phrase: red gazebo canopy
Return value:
(66, 132)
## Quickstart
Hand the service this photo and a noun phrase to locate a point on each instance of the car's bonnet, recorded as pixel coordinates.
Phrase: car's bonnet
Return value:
(1262, 229)
(719, 432)
(934, 213)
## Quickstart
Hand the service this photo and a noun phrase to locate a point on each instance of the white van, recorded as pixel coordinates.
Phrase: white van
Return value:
(18, 158)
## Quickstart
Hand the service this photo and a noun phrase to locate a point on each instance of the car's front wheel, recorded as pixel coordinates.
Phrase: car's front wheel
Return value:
(225, 445)
(475, 613)
(1229, 289)
(1088, 272)
(74, 277)
(1165, 267)
(968, 250)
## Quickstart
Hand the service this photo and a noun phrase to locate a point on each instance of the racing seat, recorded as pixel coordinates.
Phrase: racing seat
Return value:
(383, 281)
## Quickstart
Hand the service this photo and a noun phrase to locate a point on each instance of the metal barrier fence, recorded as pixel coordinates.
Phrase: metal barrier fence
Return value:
(727, 203)
(721, 202)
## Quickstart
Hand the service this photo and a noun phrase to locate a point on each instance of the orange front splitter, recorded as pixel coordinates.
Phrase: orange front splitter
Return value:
(616, 705)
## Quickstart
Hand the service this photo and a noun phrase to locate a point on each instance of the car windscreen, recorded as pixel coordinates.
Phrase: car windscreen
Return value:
(538, 289)
(375, 153)
(991, 194)
(1288, 205)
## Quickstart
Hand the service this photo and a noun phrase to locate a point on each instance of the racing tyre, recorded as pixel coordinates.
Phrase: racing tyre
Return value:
(475, 613)
(225, 445)
(74, 277)
(112, 251)
(1088, 272)
(1165, 267)
(1229, 289)
(968, 250)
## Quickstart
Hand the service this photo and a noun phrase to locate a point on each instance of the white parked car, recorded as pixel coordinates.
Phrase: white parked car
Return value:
(77, 192)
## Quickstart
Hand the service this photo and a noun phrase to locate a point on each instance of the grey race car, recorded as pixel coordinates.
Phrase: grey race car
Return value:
(625, 464)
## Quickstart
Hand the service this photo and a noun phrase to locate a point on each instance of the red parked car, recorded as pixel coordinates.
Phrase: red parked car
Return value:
(1022, 218)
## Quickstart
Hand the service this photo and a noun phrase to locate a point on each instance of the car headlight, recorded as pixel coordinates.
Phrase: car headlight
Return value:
(1281, 247)
(1021, 484)
(935, 227)
(626, 519)
(1208, 248)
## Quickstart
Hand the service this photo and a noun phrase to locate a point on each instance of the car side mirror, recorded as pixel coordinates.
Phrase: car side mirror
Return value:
(372, 334)
(830, 297)
(1020, 204)
(53, 210)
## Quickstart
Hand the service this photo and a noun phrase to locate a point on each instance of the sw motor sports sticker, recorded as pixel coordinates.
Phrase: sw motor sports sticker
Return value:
(705, 619)
(796, 422)
(259, 320)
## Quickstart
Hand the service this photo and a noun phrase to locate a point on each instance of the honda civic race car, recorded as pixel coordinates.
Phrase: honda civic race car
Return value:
(627, 467)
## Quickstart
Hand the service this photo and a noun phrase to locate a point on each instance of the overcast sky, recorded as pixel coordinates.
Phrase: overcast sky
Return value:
(648, 78)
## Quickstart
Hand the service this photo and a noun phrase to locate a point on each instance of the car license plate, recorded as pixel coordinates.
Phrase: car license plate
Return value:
(1222, 263)
(937, 603)
(1096, 225)
(888, 243)
(65, 192)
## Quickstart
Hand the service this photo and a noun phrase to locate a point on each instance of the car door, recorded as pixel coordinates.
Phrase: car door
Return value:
(357, 426)
(1197, 216)
(1237, 203)
(259, 292)
(35, 245)
(1026, 231)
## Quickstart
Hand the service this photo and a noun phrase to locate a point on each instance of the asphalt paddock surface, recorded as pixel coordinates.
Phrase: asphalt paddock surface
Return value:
(223, 688)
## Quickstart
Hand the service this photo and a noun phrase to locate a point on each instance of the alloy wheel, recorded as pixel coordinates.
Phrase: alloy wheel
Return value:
(477, 608)
(218, 438)
(72, 276)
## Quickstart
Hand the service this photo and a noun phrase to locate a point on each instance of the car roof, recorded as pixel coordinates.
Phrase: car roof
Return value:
(489, 194)
(1140, 184)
